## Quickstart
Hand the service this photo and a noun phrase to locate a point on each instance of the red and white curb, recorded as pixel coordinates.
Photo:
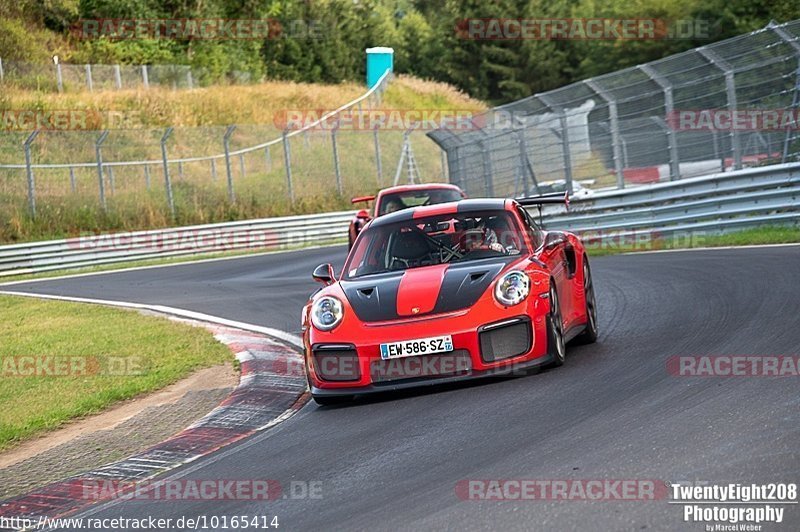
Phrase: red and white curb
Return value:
(272, 388)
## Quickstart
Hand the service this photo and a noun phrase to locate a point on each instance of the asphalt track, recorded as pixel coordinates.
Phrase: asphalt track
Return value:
(612, 412)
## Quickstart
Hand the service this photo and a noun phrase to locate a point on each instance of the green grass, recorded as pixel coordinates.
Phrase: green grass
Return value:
(756, 236)
(160, 351)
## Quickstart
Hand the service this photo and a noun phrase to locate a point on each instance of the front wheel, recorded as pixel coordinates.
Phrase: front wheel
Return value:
(589, 334)
(555, 330)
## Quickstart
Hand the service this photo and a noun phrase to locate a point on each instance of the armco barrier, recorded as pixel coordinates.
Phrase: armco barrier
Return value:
(265, 234)
(712, 204)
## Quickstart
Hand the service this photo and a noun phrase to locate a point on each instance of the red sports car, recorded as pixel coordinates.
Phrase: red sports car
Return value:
(446, 292)
(394, 199)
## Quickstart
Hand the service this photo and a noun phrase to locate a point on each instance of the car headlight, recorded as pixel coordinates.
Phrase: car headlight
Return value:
(326, 313)
(512, 288)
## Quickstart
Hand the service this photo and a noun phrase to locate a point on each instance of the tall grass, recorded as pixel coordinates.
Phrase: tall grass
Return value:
(69, 203)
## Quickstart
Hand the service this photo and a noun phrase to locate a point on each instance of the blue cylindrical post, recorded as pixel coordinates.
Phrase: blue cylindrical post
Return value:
(379, 60)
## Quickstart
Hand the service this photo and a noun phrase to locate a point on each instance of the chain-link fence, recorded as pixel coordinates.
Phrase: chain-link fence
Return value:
(203, 171)
(716, 108)
(63, 77)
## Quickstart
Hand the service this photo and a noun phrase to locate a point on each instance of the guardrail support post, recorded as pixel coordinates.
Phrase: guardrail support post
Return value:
(613, 118)
(98, 152)
(336, 169)
(29, 172)
(287, 161)
(167, 180)
(378, 162)
(226, 142)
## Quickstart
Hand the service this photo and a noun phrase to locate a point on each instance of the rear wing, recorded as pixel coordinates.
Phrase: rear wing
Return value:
(556, 198)
(362, 199)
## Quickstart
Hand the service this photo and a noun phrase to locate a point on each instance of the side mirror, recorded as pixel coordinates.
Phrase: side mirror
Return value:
(554, 240)
(363, 214)
(323, 274)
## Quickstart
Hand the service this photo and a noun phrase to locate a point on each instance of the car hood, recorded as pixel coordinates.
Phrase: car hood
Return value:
(420, 291)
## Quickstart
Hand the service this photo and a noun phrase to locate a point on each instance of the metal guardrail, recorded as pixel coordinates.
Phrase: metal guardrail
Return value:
(711, 204)
(252, 235)
(714, 204)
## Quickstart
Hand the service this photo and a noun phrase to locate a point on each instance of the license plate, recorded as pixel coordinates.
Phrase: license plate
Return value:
(422, 346)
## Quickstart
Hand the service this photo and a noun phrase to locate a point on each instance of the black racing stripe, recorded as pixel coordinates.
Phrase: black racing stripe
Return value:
(483, 204)
(404, 215)
(374, 298)
(464, 284)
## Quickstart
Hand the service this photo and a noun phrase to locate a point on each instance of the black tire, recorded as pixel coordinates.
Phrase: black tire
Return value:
(331, 400)
(589, 334)
(556, 346)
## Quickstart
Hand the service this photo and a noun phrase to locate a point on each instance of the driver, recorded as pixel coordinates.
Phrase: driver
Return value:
(483, 237)
(393, 205)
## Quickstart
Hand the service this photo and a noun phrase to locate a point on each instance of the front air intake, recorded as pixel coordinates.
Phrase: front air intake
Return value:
(505, 339)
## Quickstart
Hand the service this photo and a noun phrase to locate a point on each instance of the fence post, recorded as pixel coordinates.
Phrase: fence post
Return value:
(241, 165)
(488, 177)
(29, 172)
(72, 179)
(613, 118)
(378, 162)
(167, 181)
(336, 168)
(145, 77)
(787, 38)
(669, 107)
(213, 169)
(189, 80)
(147, 176)
(443, 157)
(268, 159)
(89, 81)
(730, 89)
(287, 162)
(111, 181)
(180, 169)
(59, 77)
(226, 142)
(98, 152)
(117, 77)
(2, 72)
(562, 118)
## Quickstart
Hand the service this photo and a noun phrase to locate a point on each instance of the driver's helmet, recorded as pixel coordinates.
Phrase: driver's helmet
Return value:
(392, 205)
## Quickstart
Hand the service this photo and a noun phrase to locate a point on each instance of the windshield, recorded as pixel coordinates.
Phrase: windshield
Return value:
(414, 198)
(442, 239)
